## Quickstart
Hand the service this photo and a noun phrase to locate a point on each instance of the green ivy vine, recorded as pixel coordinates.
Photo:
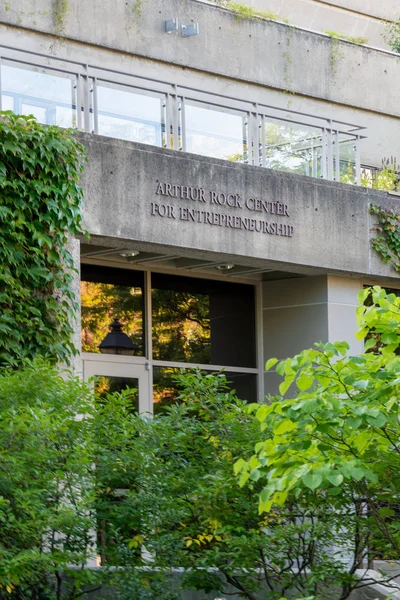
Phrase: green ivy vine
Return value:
(40, 207)
(387, 243)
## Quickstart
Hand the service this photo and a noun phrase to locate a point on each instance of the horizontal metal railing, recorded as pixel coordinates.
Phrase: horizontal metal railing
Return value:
(183, 118)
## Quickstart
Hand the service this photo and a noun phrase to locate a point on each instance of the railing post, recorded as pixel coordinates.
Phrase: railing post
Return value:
(358, 161)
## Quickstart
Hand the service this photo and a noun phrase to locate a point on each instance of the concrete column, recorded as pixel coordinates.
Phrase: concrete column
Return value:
(301, 311)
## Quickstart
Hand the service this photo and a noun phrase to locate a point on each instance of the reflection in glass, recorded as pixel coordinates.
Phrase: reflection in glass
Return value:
(203, 321)
(125, 115)
(181, 326)
(108, 385)
(101, 302)
(166, 391)
(297, 149)
(212, 132)
(50, 97)
(347, 162)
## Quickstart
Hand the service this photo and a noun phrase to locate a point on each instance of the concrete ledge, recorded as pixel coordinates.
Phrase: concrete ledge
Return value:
(184, 202)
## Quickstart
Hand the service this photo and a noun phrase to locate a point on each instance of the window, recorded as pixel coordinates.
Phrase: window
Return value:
(213, 132)
(127, 115)
(207, 323)
(106, 294)
(48, 95)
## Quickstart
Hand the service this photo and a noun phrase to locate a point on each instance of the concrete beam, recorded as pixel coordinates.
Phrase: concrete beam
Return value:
(199, 206)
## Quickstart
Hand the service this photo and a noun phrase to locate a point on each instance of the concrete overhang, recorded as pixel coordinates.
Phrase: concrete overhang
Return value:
(170, 203)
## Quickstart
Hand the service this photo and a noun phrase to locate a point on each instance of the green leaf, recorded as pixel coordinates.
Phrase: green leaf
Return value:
(312, 480)
(285, 385)
(304, 382)
(361, 333)
(284, 427)
(270, 363)
(238, 466)
(243, 479)
(335, 478)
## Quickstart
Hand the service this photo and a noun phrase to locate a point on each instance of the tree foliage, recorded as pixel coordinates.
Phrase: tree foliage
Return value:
(335, 441)
(46, 470)
(40, 206)
(183, 504)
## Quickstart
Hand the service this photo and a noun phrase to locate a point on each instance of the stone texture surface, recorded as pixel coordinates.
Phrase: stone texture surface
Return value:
(259, 51)
(331, 222)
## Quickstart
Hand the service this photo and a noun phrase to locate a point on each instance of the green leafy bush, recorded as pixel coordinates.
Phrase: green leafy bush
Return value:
(46, 494)
(335, 441)
(183, 504)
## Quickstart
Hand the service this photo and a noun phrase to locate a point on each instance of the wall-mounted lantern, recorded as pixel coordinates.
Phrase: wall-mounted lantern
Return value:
(117, 342)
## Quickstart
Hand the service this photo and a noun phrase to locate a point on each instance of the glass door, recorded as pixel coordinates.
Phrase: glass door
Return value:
(112, 373)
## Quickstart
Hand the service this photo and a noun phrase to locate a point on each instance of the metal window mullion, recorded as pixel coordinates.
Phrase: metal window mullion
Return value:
(163, 122)
(179, 109)
(259, 340)
(337, 157)
(86, 103)
(182, 365)
(255, 154)
(175, 120)
(95, 107)
(248, 135)
(148, 321)
(358, 161)
(324, 142)
(314, 163)
(79, 84)
(329, 154)
(167, 120)
(263, 146)
(183, 124)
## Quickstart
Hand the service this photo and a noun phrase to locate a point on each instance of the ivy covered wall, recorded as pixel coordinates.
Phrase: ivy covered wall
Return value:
(40, 207)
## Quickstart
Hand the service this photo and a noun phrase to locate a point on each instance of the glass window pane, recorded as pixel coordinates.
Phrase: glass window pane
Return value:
(181, 326)
(7, 102)
(165, 388)
(126, 115)
(108, 293)
(214, 133)
(203, 321)
(294, 148)
(108, 385)
(347, 161)
(50, 97)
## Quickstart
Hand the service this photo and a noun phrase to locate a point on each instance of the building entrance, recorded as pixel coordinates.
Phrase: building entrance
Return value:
(173, 322)
(111, 373)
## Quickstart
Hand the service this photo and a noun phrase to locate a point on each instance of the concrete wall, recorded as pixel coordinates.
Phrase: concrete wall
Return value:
(254, 50)
(299, 312)
(321, 226)
(257, 60)
(361, 18)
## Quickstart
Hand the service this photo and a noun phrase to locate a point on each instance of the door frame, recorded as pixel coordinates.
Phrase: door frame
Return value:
(112, 365)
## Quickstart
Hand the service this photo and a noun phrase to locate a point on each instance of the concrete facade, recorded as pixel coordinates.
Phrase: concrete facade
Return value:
(265, 62)
(285, 232)
(302, 243)
(299, 224)
(360, 18)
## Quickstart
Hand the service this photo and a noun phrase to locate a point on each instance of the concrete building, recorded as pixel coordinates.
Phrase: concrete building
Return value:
(224, 156)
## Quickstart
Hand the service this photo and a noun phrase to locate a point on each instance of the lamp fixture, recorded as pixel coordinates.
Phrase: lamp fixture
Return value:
(117, 342)
(225, 267)
(129, 253)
